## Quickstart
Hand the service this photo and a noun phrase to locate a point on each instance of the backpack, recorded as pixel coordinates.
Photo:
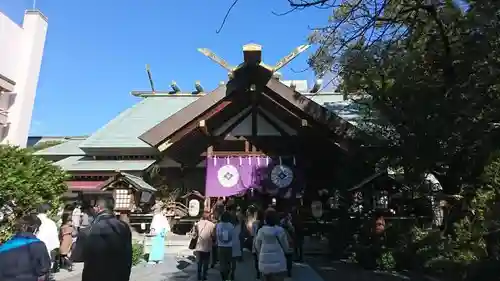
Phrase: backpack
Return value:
(226, 235)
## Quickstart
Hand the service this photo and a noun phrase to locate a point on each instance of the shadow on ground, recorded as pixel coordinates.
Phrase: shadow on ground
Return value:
(337, 270)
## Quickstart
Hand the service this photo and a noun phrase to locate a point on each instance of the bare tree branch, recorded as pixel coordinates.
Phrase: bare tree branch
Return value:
(226, 16)
(305, 4)
(287, 12)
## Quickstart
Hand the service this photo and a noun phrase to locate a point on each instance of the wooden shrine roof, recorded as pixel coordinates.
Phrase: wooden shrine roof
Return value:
(243, 78)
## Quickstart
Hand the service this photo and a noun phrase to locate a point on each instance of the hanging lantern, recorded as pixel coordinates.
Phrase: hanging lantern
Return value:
(193, 207)
(146, 196)
(317, 209)
(123, 198)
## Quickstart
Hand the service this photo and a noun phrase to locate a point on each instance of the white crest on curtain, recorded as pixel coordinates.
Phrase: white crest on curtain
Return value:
(215, 160)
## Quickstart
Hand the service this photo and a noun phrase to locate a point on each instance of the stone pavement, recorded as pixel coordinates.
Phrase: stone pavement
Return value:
(245, 272)
(176, 259)
(181, 267)
(344, 271)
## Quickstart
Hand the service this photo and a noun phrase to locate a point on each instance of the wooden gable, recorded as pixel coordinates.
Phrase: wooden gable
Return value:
(253, 96)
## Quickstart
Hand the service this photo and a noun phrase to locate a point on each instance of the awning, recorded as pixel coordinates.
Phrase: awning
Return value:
(84, 185)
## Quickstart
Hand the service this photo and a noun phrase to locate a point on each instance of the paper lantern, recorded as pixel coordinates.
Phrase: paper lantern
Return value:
(317, 209)
(193, 207)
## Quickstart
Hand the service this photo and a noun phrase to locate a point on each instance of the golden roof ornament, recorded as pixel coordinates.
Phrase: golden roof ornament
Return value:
(252, 54)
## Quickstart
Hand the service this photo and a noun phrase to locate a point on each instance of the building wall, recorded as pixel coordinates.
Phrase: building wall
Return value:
(21, 53)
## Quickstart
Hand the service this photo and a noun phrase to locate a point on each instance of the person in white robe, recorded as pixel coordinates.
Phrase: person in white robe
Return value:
(160, 226)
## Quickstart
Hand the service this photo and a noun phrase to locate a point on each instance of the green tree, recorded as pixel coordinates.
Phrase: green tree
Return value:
(26, 181)
(429, 69)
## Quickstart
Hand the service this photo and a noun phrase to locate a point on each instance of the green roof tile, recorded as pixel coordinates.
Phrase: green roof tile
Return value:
(80, 164)
(124, 130)
(139, 182)
(69, 147)
(335, 103)
(323, 98)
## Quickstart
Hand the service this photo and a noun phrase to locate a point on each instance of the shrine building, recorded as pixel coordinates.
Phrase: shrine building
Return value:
(254, 135)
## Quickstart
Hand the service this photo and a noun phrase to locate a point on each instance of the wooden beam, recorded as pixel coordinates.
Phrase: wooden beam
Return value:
(166, 128)
(202, 126)
(195, 124)
(236, 123)
(317, 112)
(281, 112)
(165, 145)
(270, 121)
(279, 105)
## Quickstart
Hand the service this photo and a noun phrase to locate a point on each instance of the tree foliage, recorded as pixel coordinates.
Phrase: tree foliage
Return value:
(429, 68)
(430, 71)
(27, 181)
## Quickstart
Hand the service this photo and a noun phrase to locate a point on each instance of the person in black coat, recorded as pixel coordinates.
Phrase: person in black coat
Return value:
(107, 251)
(24, 257)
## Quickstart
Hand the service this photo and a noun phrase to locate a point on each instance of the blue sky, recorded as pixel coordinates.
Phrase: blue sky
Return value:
(96, 51)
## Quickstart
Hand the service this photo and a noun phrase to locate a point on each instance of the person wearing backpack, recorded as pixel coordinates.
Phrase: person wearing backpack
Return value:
(225, 237)
(24, 257)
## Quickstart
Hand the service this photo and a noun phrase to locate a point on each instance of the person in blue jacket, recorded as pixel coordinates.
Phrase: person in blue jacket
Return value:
(24, 257)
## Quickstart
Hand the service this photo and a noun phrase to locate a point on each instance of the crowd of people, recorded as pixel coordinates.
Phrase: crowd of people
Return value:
(274, 238)
(95, 237)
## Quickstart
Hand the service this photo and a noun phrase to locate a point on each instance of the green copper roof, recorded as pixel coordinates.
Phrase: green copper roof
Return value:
(324, 98)
(335, 103)
(69, 147)
(81, 164)
(139, 182)
(124, 130)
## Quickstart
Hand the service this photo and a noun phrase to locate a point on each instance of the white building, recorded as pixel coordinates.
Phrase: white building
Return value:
(21, 51)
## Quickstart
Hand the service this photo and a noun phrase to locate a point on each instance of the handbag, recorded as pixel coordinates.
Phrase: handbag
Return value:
(194, 237)
(192, 243)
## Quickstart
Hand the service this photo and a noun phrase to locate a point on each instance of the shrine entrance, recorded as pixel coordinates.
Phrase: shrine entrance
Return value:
(260, 139)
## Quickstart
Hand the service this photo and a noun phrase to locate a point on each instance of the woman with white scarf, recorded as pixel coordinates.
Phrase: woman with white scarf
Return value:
(160, 226)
